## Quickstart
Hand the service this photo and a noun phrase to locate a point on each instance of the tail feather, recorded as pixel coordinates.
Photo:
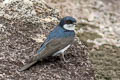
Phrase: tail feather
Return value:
(27, 66)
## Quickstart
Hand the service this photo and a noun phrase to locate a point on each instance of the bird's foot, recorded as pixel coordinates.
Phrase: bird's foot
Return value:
(63, 57)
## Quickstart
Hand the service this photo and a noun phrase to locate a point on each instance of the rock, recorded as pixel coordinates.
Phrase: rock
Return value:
(101, 13)
(22, 25)
(97, 18)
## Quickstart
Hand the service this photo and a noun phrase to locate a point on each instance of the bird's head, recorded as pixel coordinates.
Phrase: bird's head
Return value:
(68, 23)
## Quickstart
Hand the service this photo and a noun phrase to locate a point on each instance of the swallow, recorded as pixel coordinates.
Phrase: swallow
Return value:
(58, 41)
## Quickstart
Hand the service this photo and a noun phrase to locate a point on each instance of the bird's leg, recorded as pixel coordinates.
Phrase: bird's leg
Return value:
(63, 56)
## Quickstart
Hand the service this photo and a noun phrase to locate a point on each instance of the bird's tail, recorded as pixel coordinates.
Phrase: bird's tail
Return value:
(27, 66)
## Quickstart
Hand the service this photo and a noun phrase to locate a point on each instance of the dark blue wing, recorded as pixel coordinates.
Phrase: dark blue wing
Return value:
(58, 32)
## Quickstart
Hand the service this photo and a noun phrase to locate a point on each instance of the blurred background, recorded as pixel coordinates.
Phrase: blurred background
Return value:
(98, 27)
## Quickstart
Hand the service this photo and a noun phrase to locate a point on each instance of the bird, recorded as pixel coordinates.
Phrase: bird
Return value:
(57, 42)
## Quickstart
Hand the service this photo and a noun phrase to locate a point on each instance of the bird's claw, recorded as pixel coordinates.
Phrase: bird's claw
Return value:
(63, 57)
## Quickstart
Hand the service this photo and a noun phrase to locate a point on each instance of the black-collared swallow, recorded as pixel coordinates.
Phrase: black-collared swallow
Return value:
(57, 41)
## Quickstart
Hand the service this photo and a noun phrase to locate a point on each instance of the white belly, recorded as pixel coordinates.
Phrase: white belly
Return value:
(61, 51)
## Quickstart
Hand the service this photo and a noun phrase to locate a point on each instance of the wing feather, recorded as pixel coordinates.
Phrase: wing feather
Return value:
(51, 47)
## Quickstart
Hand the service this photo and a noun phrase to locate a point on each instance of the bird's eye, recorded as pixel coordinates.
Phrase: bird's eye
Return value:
(68, 22)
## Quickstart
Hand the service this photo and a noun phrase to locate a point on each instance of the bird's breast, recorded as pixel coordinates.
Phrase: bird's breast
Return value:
(61, 51)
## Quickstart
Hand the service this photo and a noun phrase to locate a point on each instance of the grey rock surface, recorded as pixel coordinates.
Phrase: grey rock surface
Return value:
(102, 14)
(23, 26)
(99, 27)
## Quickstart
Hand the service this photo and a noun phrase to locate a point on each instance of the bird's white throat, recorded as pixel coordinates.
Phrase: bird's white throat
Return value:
(69, 26)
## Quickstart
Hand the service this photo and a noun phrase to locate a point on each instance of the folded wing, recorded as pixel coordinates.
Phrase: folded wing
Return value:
(51, 47)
